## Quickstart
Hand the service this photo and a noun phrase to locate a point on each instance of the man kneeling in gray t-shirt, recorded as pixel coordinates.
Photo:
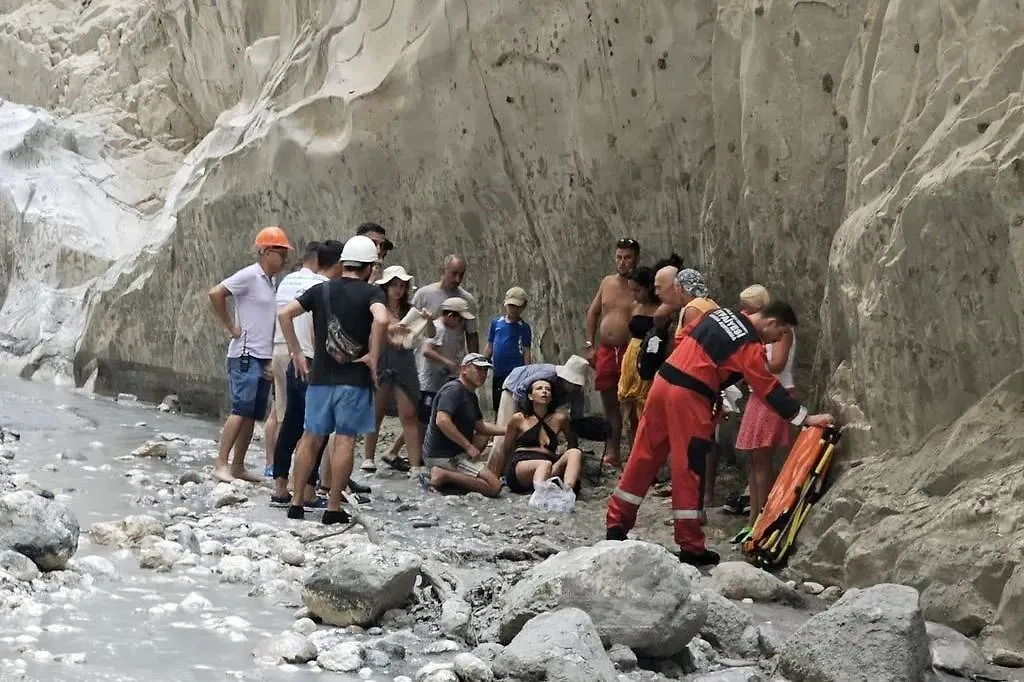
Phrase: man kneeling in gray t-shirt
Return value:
(457, 433)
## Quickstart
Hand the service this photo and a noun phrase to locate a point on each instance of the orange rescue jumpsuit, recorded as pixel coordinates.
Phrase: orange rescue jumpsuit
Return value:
(721, 349)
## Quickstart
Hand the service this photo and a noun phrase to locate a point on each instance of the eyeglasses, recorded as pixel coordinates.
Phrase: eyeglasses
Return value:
(627, 243)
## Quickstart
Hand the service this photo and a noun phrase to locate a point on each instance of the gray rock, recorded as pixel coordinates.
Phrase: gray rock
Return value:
(96, 566)
(622, 657)
(151, 449)
(455, 615)
(43, 530)
(636, 593)
(441, 675)
(469, 668)
(871, 635)
(18, 565)
(359, 583)
(953, 652)
(562, 645)
(287, 647)
(488, 651)
(345, 657)
(768, 639)
(744, 674)
(729, 628)
(740, 580)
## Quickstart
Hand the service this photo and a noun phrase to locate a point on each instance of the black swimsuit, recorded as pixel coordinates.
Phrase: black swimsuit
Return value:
(530, 439)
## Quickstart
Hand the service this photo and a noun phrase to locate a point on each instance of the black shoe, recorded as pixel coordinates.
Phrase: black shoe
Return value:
(296, 512)
(358, 488)
(332, 517)
(615, 533)
(738, 505)
(397, 463)
(280, 502)
(705, 558)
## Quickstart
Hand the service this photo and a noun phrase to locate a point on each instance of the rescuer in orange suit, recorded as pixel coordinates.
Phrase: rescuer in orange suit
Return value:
(722, 349)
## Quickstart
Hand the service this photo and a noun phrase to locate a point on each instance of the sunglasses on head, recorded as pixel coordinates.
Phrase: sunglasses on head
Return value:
(627, 243)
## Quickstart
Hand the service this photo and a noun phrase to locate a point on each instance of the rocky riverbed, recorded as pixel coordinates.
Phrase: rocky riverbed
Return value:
(124, 561)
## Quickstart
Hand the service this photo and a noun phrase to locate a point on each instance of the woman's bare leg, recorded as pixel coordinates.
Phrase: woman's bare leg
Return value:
(760, 480)
(370, 445)
(568, 467)
(410, 428)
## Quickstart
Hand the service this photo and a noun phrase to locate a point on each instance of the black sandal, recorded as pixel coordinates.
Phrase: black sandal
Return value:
(397, 463)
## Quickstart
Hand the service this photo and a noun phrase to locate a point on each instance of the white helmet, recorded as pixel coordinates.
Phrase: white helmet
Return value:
(359, 249)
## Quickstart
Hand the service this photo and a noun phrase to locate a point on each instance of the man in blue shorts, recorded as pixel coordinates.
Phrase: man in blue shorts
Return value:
(350, 321)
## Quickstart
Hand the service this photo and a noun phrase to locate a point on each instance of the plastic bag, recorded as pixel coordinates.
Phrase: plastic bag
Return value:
(552, 496)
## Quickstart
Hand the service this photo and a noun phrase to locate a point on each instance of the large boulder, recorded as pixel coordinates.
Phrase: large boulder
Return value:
(871, 635)
(562, 645)
(359, 583)
(636, 593)
(42, 529)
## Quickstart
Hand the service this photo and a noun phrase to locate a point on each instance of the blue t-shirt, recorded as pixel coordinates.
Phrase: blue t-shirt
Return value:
(508, 340)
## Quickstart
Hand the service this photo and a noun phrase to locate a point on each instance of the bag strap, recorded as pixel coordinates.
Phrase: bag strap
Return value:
(325, 295)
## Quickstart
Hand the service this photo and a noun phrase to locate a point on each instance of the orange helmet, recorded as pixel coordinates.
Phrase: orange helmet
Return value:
(272, 236)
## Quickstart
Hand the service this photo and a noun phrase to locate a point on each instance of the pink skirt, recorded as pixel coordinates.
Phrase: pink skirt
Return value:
(762, 427)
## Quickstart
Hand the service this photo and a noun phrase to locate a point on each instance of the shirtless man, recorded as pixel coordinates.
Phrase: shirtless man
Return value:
(612, 308)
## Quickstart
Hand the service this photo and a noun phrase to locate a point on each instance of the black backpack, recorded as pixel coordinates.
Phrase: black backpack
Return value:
(653, 351)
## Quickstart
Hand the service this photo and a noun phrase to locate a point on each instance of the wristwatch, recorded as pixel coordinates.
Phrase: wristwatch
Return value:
(588, 344)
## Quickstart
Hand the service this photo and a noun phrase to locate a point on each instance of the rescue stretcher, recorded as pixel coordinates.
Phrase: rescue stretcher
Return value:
(798, 486)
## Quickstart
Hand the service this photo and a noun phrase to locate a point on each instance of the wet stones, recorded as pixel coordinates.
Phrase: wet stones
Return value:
(287, 647)
(561, 645)
(359, 583)
(151, 449)
(740, 580)
(635, 593)
(875, 634)
(43, 530)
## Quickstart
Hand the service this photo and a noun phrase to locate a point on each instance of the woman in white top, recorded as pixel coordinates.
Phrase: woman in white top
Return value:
(762, 430)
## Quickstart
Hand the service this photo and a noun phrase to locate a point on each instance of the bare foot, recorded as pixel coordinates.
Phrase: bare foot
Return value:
(223, 474)
(247, 475)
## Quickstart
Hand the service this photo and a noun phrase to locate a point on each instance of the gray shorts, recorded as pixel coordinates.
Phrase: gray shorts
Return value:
(461, 463)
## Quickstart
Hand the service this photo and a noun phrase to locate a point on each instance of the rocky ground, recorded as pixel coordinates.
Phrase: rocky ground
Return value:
(446, 588)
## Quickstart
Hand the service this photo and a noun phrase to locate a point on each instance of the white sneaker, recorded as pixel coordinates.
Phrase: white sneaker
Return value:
(368, 465)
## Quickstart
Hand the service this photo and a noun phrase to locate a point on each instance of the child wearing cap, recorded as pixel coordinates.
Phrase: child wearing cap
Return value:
(439, 356)
(508, 342)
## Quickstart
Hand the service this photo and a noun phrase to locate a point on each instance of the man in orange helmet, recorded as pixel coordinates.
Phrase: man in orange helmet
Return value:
(678, 420)
(251, 348)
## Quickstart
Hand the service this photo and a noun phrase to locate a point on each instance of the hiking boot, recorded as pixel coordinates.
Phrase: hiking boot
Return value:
(296, 512)
(332, 517)
(705, 558)
(615, 533)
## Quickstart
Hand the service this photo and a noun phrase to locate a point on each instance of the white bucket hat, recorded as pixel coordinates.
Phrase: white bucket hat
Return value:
(574, 370)
(393, 272)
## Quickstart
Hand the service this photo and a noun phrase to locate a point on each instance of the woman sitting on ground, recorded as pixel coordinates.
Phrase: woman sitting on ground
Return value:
(531, 444)
(398, 391)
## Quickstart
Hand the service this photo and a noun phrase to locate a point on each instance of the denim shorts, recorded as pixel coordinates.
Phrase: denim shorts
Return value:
(250, 392)
(344, 410)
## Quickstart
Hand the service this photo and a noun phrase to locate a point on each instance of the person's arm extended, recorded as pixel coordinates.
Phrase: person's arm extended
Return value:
(219, 302)
(430, 353)
(444, 422)
(753, 364)
(489, 429)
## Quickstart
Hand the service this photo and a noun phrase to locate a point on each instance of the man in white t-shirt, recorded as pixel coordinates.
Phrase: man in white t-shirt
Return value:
(252, 346)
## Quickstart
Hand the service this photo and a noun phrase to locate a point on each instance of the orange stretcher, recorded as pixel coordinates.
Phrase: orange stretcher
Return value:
(798, 486)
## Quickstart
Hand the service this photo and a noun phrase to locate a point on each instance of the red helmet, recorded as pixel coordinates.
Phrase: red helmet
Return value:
(272, 236)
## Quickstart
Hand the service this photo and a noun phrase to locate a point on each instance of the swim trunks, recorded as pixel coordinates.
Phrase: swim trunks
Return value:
(608, 366)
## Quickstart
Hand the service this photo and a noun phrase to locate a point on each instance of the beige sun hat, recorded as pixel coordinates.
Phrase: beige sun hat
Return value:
(574, 370)
(457, 305)
(393, 272)
(516, 296)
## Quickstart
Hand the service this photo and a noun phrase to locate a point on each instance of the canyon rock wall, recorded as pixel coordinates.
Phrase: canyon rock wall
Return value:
(859, 157)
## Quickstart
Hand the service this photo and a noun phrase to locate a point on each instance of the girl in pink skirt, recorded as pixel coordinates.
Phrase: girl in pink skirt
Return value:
(762, 430)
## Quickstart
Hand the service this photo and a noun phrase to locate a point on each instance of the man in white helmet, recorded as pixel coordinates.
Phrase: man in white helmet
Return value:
(350, 322)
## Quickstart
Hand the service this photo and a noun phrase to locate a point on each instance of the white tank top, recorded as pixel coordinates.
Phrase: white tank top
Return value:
(785, 377)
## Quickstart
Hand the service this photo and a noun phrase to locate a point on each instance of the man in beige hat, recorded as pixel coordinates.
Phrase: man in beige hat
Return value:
(438, 359)
(569, 381)
(508, 342)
